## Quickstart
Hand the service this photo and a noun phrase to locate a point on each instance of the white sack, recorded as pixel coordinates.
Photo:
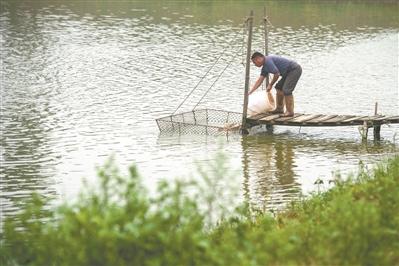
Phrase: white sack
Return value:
(260, 102)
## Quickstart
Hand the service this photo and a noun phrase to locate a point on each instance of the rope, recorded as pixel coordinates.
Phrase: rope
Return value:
(217, 78)
(268, 21)
(221, 73)
(188, 95)
(202, 78)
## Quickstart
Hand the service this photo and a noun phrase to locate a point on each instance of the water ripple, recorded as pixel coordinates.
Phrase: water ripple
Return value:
(80, 85)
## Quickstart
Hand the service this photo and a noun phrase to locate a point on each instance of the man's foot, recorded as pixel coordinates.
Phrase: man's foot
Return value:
(277, 111)
(287, 114)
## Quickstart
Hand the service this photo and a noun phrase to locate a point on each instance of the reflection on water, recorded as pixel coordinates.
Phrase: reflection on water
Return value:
(281, 168)
(81, 80)
(269, 171)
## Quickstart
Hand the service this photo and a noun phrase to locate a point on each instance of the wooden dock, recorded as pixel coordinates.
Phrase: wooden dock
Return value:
(314, 120)
(320, 120)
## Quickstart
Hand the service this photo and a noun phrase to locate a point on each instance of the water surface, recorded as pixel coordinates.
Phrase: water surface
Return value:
(81, 81)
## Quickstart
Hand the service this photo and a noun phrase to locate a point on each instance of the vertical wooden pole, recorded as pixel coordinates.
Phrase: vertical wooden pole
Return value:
(266, 39)
(244, 129)
(364, 131)
(265, 21)
(377, 129)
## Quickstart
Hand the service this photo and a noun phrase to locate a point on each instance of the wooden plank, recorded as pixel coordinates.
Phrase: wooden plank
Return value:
(303, 118)
(322, 118)
(314, 117)
(259, 116)
(338, 119)
(288, 118)
(373, 117)
(270, 117)
(354, 118)
(387, 118)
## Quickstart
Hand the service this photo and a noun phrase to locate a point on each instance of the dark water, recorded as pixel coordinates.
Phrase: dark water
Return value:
(82, 80)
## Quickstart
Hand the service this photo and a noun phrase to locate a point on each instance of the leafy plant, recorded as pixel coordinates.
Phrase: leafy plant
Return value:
(354, 223)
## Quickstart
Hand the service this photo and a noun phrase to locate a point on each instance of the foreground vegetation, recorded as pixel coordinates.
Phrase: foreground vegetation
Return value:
(355, 223)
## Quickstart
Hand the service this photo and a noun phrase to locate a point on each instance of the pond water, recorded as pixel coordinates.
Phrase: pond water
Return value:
(81, 81)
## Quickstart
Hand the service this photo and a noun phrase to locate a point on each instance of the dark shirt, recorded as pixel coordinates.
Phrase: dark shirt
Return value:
(276, 65)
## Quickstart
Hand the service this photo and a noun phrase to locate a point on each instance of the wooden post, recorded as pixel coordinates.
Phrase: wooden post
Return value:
(266, 39)
(377, 129)
(244, 129)
(364, 131)
(268, 127)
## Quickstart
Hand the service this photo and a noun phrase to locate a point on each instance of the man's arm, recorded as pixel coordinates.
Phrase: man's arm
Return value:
(274, 79)
(257, 84)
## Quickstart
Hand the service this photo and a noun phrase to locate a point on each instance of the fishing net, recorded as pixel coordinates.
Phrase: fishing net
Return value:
(211, 121)
(201, 121)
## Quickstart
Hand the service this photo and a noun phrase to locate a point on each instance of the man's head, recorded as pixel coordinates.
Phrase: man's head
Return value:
(258, 59)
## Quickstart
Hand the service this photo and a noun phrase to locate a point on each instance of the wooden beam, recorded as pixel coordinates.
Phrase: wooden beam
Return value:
(244, 129)
(266, 39)
(376, 128)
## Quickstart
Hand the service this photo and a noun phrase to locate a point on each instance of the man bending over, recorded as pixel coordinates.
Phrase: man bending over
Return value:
(290, 72)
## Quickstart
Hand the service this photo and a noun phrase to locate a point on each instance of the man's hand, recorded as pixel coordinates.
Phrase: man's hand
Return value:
(274, 80)
(257, 84)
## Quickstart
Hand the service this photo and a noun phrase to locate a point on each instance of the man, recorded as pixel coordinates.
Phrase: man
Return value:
(290, 72)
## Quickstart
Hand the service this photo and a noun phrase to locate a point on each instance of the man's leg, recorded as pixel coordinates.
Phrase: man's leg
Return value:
(279, 98)
(279, 102)
(289, 105)
(289, 86)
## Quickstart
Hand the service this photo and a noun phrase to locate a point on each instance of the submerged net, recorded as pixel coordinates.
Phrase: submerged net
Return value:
(202, 121)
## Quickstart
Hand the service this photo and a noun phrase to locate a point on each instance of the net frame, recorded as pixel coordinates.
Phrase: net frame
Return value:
(201, 121)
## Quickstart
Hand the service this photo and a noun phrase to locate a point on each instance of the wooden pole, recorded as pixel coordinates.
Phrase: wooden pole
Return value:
(265, 22)
(377, 129)
(266, 39)
(244, 129)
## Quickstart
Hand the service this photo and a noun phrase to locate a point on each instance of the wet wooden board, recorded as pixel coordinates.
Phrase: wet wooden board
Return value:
(270, 117)
(387, 118)
(371, 118)
(283, 119)
(259, 116)
(354, 119)
(304, 118)
(338, 119)
(322, 118)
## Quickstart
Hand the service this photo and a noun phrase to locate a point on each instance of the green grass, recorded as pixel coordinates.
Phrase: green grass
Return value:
(355, 223)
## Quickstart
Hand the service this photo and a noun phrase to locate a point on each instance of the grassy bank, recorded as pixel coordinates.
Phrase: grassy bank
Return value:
(355, 223)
